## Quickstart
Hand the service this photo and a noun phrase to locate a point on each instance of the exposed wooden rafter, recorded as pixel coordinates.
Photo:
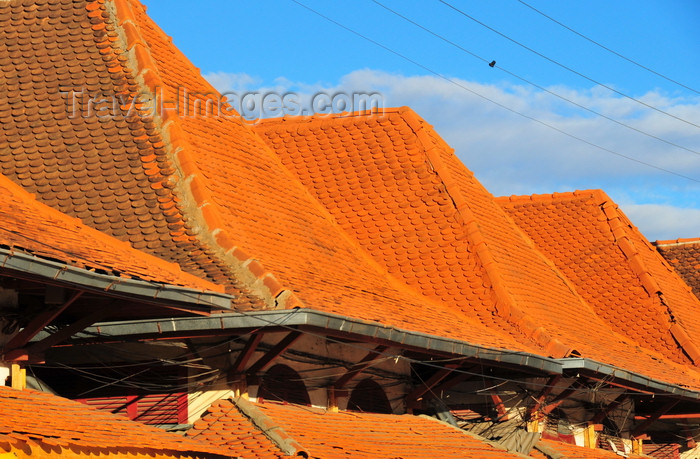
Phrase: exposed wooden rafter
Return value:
(542, 395)
(38, 323)
(563, 395)
(639, 429)
(603, 413)
(360, 366)
(273, 353)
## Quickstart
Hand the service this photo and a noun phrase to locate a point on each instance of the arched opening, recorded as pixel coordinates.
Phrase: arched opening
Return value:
(281, 383)
(368, 396)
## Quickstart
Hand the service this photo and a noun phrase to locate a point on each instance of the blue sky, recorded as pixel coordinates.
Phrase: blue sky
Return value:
(281, 46)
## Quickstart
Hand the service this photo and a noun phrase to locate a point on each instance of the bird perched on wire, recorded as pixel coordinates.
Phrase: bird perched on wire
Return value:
(492, 64)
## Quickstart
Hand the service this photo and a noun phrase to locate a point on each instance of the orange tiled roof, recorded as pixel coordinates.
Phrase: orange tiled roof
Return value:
(393, 185)
(323, 434)
(267, 219)
(684, 256)
(569, 451)
(367, 217)
(46, 425)
(614, 268)
(201, 191)
(42, 231)
(105, 163)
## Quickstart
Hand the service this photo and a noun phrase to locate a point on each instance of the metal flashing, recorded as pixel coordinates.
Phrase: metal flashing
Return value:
(112, 285)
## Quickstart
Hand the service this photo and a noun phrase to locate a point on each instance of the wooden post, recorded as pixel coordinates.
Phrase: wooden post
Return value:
(533, 425)
(589, 437)
(332, 400)
(637, 446)
(18, 377)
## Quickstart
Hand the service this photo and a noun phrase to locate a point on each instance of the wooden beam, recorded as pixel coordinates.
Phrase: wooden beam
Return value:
(559, 399)
(500, 407)
(654, 417)
(602, 414)
(273, 353)
(431, 382)
(360, 366)
(451, 381)
(38, 323)
(67, 332)
(620, 385)
(670, 416)
(245, 355)
(542, 396)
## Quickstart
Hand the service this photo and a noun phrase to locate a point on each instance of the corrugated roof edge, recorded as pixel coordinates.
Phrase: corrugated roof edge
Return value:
(190, 183)
(112, 285)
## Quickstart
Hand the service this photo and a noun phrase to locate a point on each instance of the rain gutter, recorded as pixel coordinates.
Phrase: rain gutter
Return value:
(112, 285)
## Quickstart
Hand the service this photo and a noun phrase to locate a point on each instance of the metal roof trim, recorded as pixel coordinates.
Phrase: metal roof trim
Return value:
(329, 321)
(82, 278)
(579, 364)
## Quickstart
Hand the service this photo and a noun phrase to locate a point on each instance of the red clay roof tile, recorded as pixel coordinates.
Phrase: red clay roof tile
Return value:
(613, 267)
(684, 256)
(254, 203)
(42, 231)
(328, 435)
(453, 224)
(41, 421)
(72, 135)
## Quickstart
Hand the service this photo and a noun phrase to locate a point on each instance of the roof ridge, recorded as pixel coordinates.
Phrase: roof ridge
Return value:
(192, 187)
(618, 224)
(367, 257)
(269, 427)
(325, 116)
(549, 196)
(508, 309)
(679, 241)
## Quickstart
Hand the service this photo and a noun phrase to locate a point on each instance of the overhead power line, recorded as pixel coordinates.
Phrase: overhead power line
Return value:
(631, 61)
(505, 107)
(493, 64)
(553, 61)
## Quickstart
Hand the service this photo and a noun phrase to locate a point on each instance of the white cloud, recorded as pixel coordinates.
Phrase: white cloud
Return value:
(511, 154)
(659, 221)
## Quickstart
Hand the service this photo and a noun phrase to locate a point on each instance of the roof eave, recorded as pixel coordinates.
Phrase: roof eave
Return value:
(55, 272)
(571, 365)
(312, 319)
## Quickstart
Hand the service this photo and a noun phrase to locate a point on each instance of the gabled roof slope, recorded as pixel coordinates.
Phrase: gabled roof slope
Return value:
(614, 268)
(77, 132)
(684, 256)
(328, 435)
(398, 189)
(29, 226)
(261, 217)
(48, 425)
